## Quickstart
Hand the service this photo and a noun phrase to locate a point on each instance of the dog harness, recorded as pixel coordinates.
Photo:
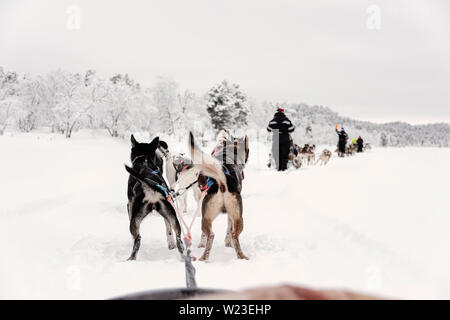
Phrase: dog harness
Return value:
(180, 165)
(157, 181)
(210, 181)
(208, 184)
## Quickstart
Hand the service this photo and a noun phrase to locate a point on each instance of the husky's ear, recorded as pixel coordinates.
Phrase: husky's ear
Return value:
(191, 143)
(246, 148)
(154, 143)
(163, 144)
(133, 141)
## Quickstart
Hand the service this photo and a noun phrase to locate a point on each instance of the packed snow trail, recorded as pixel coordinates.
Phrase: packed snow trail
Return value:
(377, 222)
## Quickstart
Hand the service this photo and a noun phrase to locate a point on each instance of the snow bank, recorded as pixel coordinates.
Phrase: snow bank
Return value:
(376, 222)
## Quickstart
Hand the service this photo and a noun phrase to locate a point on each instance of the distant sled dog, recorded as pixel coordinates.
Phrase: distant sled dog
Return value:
(307, 154)
(222, 172)
(294, 157)
(350, 150)
(324, 157)
(144, 195)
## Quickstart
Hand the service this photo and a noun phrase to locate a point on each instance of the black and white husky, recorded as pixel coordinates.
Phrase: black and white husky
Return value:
(147, 191)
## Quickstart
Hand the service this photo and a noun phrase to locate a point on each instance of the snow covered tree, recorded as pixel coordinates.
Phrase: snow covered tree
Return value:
(119, 100)
(195, 117)
(5, 115)
(218, 109)
(96, 90)
(186, 102)
(145, 114)
(261, 113)
(29, 111)
(308, 131)
(384, 141)
(165, 93)
(9, 93)
(227, 107)
(65, 102)
(240, 107)
(71, 101)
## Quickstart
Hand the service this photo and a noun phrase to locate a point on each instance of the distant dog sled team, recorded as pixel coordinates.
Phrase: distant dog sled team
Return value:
(216, 180)
(285, 151)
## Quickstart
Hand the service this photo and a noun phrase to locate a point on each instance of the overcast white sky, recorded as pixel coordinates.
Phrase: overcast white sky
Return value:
(318, 52)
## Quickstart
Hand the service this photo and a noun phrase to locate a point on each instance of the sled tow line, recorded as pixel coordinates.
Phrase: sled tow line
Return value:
(191, 283)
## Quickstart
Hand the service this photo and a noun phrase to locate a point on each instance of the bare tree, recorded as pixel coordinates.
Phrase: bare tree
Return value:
(8, 97)
(120, 99)
(72, 102)
(31, 95)
(165, 96)
(5, 114)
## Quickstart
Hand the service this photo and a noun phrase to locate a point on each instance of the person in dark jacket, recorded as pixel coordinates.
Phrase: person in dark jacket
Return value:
(281, 127)
(360, 143)
(343, 137)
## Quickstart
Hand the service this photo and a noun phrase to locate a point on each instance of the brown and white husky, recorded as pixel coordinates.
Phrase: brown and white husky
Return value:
(223, 173)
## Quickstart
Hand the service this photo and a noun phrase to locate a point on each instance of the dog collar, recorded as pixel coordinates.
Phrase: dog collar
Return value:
(141, 156)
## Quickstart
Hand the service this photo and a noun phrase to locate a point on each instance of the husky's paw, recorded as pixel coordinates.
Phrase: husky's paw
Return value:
(203, 258)
(131, 258)
(180, 256)
(242, 256)
(228, 243)
(171, 244)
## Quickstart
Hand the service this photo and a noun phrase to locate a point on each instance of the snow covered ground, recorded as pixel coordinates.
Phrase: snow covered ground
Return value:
(377, 222)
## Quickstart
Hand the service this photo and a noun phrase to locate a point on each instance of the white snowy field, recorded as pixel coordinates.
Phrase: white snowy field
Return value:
(377, 222)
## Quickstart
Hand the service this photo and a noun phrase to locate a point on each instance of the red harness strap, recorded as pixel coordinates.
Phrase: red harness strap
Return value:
(179, 175)
(216, 151)
(187, 233)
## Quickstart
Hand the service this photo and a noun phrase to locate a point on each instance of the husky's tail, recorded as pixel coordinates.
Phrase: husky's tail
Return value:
(145, 183)
(208, 165)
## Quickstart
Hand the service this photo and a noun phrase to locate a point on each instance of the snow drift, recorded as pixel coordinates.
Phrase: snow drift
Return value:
(377, 222)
